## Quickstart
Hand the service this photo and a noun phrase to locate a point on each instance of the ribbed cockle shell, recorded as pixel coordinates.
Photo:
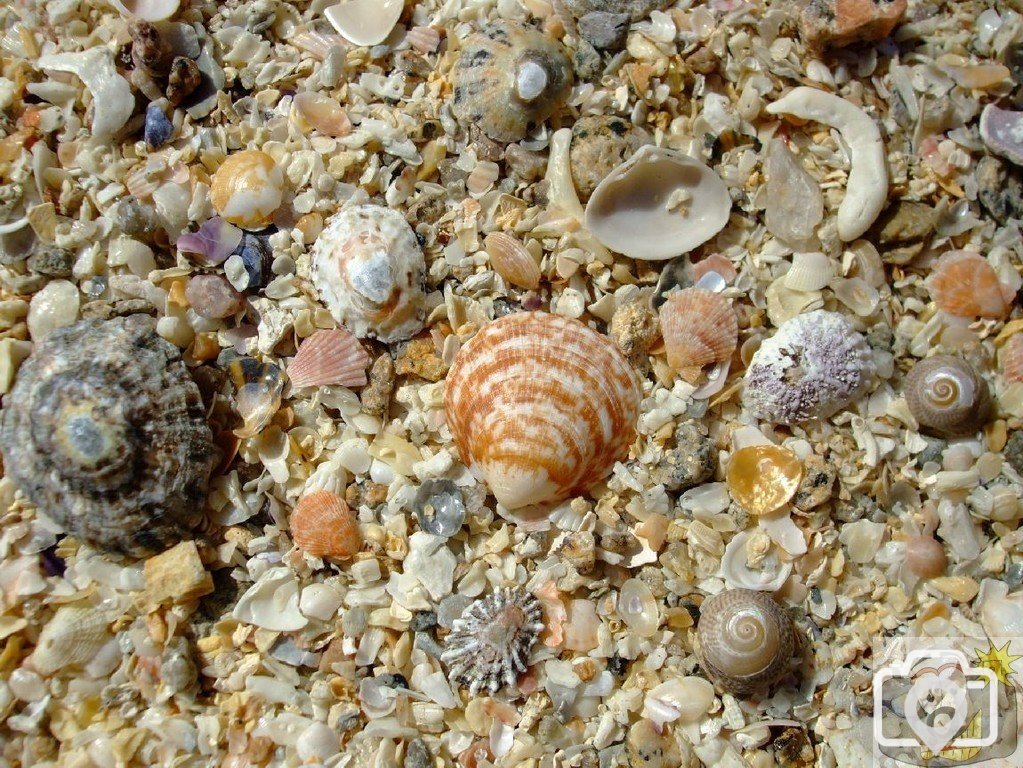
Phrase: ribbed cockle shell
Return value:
(324, 526)
(699, 329)
(329, 357)
(369, 271)
(540, 406)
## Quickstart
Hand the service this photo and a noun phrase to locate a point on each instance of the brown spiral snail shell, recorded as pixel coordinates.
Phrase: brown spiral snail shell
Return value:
(745, 640)
(947, 396)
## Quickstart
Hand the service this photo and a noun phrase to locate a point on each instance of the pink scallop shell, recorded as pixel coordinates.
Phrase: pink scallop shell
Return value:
(329, 357)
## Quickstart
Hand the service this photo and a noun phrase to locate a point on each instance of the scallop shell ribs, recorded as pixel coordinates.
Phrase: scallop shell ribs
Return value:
(540, 406)
(105, 432)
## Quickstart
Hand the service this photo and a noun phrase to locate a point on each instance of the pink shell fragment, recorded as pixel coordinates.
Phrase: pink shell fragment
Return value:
(327, 358)
(1002, 132)
(214, 241)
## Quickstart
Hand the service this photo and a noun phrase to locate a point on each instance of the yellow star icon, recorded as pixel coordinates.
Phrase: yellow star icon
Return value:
(998, 660)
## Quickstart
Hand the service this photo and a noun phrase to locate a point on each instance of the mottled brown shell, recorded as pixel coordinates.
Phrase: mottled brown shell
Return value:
(105, 432)
(746, 641)
(947, 396)
(510, 77)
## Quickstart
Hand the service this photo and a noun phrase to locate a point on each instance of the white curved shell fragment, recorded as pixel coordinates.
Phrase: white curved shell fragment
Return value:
(112, 98)
(147, 10)
(867, 189)
(364, 22)
(658, 204)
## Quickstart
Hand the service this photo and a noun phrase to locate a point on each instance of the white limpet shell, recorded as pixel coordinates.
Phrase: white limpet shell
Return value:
(809, 272)
(365, 22)
(867, 188)
(147, 10)
(770, 574)
(113, 101)
(368, 269)
(658, 204)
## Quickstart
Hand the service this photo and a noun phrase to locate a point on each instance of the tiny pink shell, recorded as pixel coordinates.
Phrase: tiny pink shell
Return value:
(329, 357)
(1012, 359)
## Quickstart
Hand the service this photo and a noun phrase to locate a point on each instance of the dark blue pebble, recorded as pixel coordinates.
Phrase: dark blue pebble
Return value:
(158, 126)
(257, 256)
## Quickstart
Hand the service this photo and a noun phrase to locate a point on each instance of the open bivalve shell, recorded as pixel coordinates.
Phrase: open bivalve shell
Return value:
(658, 204)
(540, 406)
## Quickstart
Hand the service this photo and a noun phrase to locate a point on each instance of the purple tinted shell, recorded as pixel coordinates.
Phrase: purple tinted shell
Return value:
(215, 241)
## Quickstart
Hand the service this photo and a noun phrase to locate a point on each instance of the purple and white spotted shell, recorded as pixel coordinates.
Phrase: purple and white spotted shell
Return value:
(490, 643)
(814, 366)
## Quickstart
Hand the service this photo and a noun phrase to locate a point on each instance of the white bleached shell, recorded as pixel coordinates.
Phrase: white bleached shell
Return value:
(113, 101)
(658, 204)
(769, 573)
(364, 22)
(147, 10)
(686, 699)
(329, 357)
(809, 272)
(369, 271)
(540, 406)
(320, 112)
(71, 638)
(814, 366)
(272, 602)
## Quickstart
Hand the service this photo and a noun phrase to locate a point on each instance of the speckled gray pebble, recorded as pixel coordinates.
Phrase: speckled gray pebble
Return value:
(50, 260)
(1014, 451)
(999, 189)
(690, 463)
(637, 9)
(417, 755)
(818, 481)
(604, 31)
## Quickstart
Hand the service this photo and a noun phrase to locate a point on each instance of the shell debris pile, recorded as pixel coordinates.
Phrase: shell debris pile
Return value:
(520, 383)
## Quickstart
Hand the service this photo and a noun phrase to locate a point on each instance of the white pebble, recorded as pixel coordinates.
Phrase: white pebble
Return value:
(55, 306)
(27, 685)
(176, 330)
(317, 742)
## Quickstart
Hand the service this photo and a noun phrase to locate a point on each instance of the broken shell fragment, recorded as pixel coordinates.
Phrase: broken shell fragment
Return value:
(327, 358)
(322, 525)
(700, 329)
(317, 111)
(258, 393)
(365, 22)
(540, 406)
(867, 189)
(964, 284)
(112, 97)
(509, 78)
(147, 10)
(1002, 132)
(247, 188)
(658, 204)
(512, 260)
(948, 396)
(105, 432)
(763, 478)
(1012, 359)
(369, 271)
(746, 641)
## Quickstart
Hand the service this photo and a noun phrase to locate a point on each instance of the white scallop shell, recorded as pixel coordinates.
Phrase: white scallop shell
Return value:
(368, 270)
(658, 204)
(809, 272)
(71, 638)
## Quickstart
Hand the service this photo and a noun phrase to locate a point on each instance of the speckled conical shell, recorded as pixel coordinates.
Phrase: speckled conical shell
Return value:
(105, 432)
(814, 366)
(509, 78)
(368, 269)
(699, 329)
(540, 406)
(746, 640)
(1012, 359)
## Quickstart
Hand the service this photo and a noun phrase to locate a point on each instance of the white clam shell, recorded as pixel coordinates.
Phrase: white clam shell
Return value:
(658, 204)
(809, 272)
(365, 22)
(369, 271)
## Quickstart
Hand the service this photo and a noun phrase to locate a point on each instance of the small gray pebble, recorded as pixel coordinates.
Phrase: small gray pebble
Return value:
(50, 260)
(690, 463)
(605, 31)
(1014, 451)
(417, 755)
(935, 447)
(587, 61)
(999, 189)
(422, 621)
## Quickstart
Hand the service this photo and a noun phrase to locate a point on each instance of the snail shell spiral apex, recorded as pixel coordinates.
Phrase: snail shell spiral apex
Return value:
(746, 641)
(947, 396)
(540, 406)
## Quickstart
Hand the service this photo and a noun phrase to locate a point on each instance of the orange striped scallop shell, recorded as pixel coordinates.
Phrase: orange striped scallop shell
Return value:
(322, 525)
(1012, 359)
(540, 406)
(699, 329)
(964, 284)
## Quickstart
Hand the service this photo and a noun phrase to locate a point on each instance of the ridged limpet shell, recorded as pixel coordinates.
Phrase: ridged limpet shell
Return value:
(106, 433)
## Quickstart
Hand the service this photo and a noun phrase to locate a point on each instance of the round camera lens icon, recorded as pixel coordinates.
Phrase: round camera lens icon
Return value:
(934, 700)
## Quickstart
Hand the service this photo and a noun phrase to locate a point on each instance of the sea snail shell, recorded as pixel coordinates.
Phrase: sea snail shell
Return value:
(745, 640)
(947, 396)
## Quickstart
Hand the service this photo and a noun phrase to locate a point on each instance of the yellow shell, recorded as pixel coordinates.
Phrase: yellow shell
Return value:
(540, 406)
(699, 329)
(763, 478)
(247, 188)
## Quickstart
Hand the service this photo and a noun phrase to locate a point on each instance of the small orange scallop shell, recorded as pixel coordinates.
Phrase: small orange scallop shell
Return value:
(329, 357)
(323, 526)
(512, 260)
(716, 262)
(964, 284)
(699, 329)
(540, 406)
(1012, 359)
